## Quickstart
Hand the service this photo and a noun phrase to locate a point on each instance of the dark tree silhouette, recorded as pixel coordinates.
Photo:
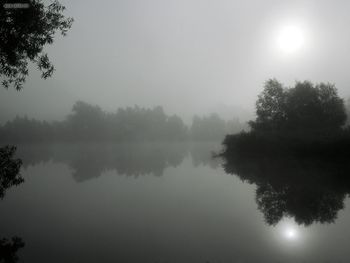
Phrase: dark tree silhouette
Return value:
(305, 107)
(311, 189)
(270, 107)
(296, 153)
(9, 169)
(306, 204)
(9, 176)
(24, 32)
(9, 249)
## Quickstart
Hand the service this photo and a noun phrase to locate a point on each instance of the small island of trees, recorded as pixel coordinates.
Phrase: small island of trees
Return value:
(304, 119)
(296, 153)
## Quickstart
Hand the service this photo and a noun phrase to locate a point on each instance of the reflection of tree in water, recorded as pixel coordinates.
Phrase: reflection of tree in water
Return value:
(9, 249)
(306, 204)
(309, 189)
(9, 169)
(90, 160)
(9, 176)
(202, 154)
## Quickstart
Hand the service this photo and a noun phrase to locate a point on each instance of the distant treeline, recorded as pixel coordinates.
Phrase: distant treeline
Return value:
(90, 123)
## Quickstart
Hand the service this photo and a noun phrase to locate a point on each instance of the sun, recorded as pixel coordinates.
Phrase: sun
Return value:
(290, 233)
(290, 39)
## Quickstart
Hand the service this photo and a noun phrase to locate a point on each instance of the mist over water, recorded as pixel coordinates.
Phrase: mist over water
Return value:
(191, 57)
(174, 131)
(151, 202)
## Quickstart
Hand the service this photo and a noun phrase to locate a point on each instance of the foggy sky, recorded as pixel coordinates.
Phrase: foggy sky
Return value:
(190, 56)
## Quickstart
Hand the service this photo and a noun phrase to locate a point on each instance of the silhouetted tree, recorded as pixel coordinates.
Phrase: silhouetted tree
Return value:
(270, 107)
(9, 176)
(9, 249)
(9, 169)
(306, 204)
(296, 153)
(311, 189)
(303, 108)
(24, 32)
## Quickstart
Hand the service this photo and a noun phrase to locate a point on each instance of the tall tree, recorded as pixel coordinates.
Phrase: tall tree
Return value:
(270, 106)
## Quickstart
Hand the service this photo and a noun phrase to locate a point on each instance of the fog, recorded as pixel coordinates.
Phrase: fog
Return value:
(191, 57)
(174, 131)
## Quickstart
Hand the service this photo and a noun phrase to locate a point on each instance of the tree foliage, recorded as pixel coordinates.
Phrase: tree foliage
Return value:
(24, 32)
(303, 108)
(296, 153)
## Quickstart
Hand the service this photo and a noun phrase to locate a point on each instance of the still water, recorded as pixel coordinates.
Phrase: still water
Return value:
(163, 202)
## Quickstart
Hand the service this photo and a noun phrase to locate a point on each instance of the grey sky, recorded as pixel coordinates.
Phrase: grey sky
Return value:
(190, 56)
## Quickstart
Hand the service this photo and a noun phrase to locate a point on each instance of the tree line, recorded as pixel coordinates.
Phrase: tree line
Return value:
(88, 122)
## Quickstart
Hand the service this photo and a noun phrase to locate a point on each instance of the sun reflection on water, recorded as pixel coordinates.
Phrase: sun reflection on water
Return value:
(289, 232)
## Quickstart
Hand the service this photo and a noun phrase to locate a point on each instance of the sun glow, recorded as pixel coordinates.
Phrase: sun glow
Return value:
(290, 233)
(290, 39)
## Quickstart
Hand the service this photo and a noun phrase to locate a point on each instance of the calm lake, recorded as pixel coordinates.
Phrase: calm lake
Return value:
(161, 202)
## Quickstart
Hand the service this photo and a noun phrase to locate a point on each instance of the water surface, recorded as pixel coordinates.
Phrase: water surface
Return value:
(161, 202)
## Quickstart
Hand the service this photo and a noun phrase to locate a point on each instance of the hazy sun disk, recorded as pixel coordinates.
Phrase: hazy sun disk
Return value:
(290, 39)
(291, 233)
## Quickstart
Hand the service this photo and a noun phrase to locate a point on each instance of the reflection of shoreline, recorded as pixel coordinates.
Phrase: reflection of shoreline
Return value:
(9, 249)
(9, 177)
(9, 169)
(90, 160)
(309, 189)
